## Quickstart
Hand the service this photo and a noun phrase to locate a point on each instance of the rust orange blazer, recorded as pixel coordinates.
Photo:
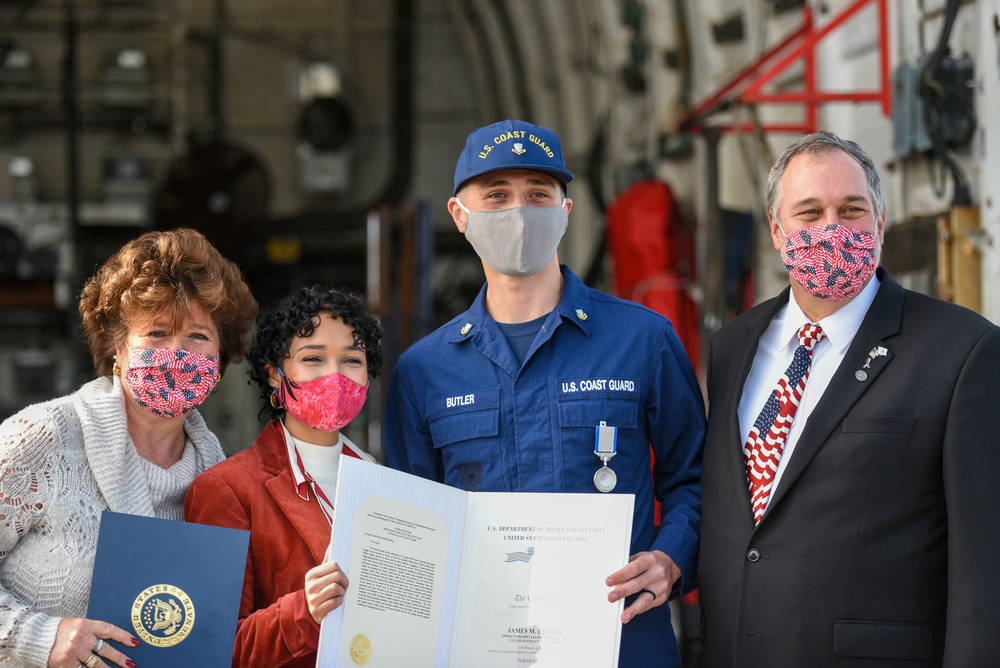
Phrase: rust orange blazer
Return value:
(254, 490)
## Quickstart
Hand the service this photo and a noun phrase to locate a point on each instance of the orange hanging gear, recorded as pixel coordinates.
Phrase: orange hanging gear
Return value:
(653, 259)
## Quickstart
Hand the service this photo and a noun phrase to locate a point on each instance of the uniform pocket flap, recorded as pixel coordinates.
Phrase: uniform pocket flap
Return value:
(879, 425)
(616, 410)
(883, 640)
(455, 427)
(464, 417)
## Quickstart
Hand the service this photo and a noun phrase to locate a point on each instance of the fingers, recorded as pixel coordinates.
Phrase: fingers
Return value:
(648, 594)
(326, 568)
(323, 576)
(637, 564)
(642, 572)
(78, 638)
(645, 600)
(325, 588)
(109, 631)
(650, 575)
(109, 656)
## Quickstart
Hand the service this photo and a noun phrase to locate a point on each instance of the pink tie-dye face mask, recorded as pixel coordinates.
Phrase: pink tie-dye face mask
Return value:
(169, 382)
(327, 403)
(832, 262)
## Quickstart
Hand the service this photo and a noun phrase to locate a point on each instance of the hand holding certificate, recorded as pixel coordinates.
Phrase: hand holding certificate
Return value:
(443, 577)
(175, 585)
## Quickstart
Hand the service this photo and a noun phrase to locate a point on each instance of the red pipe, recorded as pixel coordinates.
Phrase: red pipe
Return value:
(809, 43)
(741, 76)
(805, 40)
(883, 49)
(812, 99)
(750, 127)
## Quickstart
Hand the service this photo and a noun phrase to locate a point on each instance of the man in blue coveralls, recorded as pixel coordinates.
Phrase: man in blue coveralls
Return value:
(509, 395)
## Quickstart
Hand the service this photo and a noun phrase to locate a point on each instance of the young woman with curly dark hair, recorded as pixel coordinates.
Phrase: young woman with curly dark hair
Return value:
(311, 358)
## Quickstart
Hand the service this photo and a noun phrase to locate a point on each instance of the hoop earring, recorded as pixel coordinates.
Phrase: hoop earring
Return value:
(115, 370)
(275, 401)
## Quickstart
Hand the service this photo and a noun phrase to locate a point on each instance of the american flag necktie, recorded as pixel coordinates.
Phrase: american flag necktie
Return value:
(766, 441)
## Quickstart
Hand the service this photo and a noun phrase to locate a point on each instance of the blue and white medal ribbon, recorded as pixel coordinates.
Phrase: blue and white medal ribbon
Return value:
(605, 447)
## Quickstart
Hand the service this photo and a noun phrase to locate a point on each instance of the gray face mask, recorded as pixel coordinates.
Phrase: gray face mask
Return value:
(519, 241)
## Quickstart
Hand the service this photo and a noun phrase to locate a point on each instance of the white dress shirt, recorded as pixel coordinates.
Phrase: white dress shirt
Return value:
(775, 352)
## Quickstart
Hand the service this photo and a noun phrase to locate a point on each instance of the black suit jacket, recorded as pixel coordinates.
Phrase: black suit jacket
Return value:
(881, 545)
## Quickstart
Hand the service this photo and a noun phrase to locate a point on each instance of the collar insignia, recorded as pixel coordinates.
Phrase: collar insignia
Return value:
(580, 315)
(465, 328)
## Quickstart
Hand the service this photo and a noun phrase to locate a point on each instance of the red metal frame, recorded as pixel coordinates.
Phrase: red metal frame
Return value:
(747, 86)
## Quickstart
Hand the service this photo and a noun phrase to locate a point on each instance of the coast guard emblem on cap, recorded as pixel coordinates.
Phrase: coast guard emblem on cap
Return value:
(580, 315)
(163, 615)
(511, 144)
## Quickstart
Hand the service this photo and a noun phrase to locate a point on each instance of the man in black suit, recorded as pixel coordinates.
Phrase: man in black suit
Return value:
(852, 521)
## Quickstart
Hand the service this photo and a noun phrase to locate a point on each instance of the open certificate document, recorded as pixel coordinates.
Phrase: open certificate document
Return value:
(440, 577)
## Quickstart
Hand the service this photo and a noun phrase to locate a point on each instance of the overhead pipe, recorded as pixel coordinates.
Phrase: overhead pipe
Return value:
(507, 33)
(469, 27)
(70, 106)
(402, 58)
(216, 77)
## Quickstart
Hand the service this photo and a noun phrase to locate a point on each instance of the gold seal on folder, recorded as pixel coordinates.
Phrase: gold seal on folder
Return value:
(163, 615)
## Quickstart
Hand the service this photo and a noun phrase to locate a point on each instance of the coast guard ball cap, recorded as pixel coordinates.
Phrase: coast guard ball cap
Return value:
(511, 145)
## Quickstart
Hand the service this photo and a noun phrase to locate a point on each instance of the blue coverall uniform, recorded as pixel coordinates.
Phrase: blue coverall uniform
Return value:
(462, 411)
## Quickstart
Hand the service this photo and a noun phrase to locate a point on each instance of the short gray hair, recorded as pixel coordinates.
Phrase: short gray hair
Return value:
(819, 143)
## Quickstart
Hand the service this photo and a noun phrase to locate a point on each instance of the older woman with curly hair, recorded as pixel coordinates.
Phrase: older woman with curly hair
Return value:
(312, 358)
(163, 318)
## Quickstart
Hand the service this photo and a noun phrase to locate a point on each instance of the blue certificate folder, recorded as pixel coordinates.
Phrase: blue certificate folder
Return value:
(174, 585)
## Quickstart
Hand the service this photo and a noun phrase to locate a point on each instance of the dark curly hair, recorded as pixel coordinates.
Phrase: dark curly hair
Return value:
(297, 314)
(161, 270)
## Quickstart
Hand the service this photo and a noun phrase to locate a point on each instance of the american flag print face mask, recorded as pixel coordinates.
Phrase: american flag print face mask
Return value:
(831, 262)
(170, 382)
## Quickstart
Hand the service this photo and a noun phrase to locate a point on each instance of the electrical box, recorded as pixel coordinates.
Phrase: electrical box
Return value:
(952, 105)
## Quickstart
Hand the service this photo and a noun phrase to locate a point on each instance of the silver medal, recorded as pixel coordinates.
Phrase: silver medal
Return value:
(605, 447)
(605, 479)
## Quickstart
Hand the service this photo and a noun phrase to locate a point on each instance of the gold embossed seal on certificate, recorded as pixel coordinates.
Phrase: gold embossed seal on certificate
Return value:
(163, 615)
(361, 649)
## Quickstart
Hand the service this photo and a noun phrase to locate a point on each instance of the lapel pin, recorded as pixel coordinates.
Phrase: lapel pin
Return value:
(861, 375)
(877, 351)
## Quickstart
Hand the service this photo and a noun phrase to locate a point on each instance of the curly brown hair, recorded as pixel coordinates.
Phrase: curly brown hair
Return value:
(297, 315)
(161, 270)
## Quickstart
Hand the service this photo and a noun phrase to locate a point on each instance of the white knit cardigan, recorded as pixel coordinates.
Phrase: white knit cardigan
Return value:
(62, 463)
